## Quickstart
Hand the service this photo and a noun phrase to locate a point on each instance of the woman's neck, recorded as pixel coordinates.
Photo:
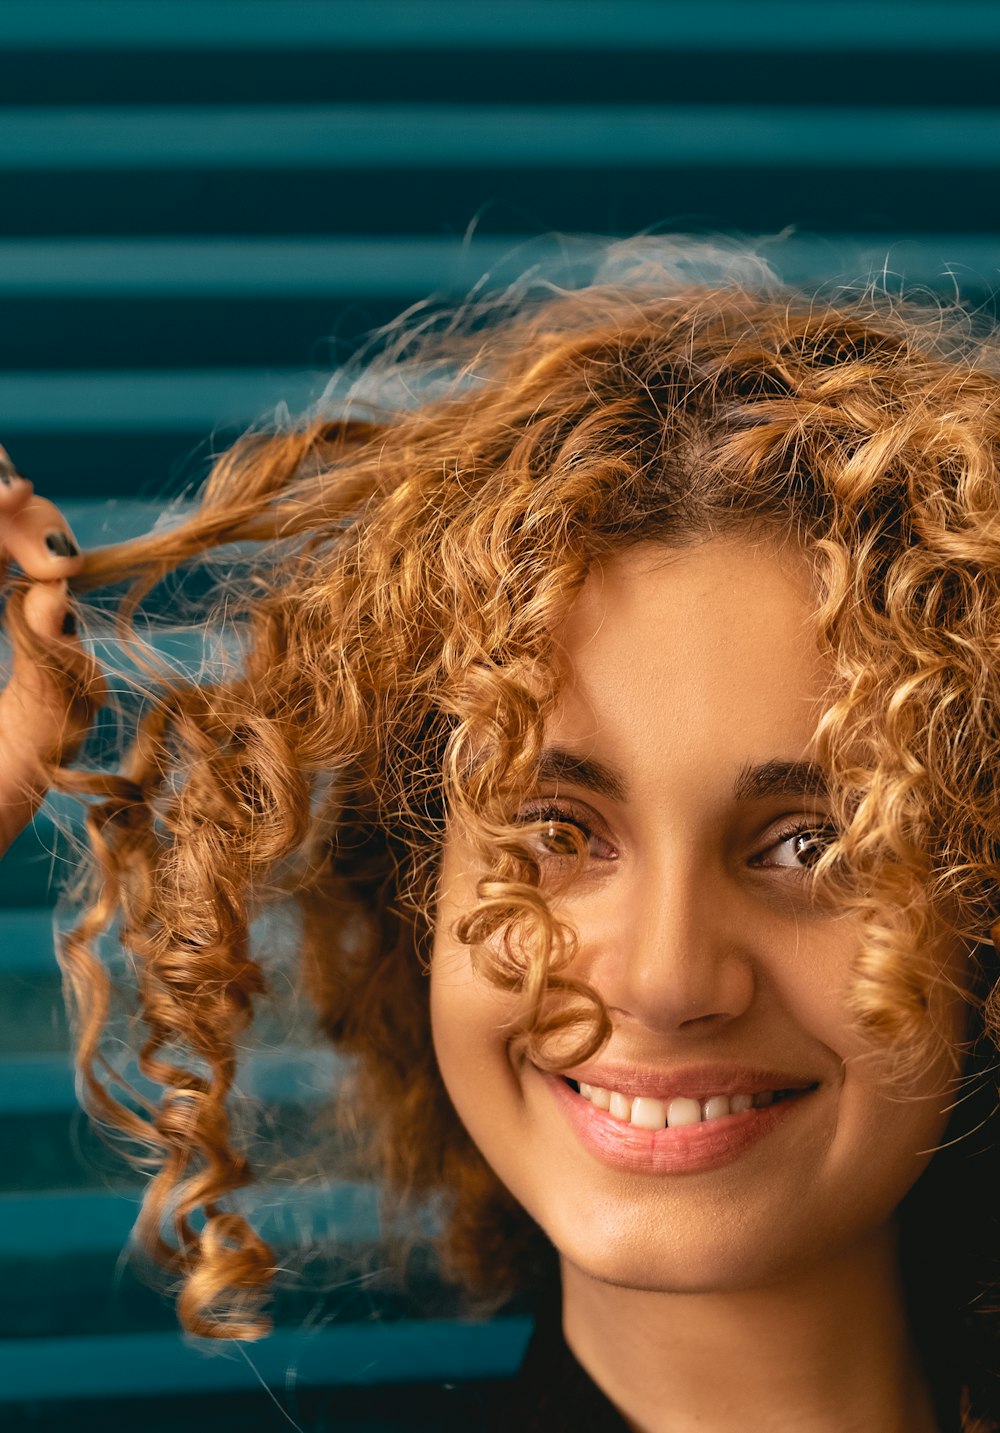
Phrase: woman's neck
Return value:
(827, 1352)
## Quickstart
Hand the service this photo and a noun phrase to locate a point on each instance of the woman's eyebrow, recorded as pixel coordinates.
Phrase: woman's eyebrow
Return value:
(753, 783)
(555, 764)
(780, 778)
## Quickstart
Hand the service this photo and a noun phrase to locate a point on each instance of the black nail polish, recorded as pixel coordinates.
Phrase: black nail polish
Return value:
(69, 625)
(7, 472)
(60, 544)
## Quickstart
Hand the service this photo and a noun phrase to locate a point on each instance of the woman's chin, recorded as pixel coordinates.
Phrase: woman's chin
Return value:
(695, 1262)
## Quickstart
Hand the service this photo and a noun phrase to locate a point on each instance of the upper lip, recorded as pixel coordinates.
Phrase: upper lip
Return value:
(694, 1082)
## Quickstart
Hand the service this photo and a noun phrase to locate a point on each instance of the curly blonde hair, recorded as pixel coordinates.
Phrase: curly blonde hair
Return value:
(397, 669)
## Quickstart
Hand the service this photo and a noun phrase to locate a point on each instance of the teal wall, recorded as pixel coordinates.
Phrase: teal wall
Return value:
(202, 204)
(203, 198)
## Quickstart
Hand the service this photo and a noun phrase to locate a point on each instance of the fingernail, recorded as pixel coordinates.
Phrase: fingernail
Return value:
(69, 625)
(8, 473)
(60, 544)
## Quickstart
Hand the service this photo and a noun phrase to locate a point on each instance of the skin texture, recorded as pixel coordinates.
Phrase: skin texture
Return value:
(770, 1283)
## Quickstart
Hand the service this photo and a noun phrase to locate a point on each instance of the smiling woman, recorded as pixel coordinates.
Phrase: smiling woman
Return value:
(635, 675)
(725, 1169)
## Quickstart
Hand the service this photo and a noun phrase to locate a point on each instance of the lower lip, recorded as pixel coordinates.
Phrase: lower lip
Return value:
(683, 1150)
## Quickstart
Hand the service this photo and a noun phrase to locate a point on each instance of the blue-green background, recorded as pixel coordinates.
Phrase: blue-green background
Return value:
(203, 203)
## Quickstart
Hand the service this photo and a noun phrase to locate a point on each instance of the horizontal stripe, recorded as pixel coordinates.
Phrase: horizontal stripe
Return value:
(414, 266)
(150, 1364)
(26, 941)
(560, 24)
(189, 401)
(97, 521)
(256, 268)
(49, 1224)
(351, 137)
(36, 1084)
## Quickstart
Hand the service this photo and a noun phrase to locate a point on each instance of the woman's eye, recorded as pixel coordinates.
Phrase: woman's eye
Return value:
(799, 847)
(554, 840)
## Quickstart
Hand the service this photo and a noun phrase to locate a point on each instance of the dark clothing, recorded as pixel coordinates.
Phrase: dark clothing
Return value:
(552, 1394)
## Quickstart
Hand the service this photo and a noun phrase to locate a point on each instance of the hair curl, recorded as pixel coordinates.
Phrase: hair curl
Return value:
(397, 670)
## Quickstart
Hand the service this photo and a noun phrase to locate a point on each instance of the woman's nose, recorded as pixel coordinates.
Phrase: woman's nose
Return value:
(674, 953)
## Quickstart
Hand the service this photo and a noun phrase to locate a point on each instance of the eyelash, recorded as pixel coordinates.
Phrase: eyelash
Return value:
(561, 815)
(800, 828)
(564, 816)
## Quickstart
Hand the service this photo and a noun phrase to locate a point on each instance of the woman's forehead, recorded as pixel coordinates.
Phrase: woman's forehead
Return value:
(680, 661)
(727, 609)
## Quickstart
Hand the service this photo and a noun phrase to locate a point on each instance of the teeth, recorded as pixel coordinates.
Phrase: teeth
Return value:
(683, 1112)
(715, 1108)
(620, 1107)
(646, 1112)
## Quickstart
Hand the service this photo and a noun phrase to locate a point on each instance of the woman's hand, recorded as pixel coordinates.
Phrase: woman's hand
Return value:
(36, 727)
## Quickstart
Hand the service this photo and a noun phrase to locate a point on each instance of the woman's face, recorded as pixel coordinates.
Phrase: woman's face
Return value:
(694, 693)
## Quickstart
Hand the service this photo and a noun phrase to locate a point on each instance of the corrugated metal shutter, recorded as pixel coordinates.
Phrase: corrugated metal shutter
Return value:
(204, 202)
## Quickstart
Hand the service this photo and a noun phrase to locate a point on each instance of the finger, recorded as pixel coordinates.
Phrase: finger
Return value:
(39, 539)
(38, 723)
(15, 490)
(35, 688)
(48, 611)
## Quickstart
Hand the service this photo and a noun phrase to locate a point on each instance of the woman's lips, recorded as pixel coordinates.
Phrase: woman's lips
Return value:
(680, 1150)
(692, 1081)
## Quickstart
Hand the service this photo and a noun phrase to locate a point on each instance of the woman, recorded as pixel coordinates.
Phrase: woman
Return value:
(639, 683)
